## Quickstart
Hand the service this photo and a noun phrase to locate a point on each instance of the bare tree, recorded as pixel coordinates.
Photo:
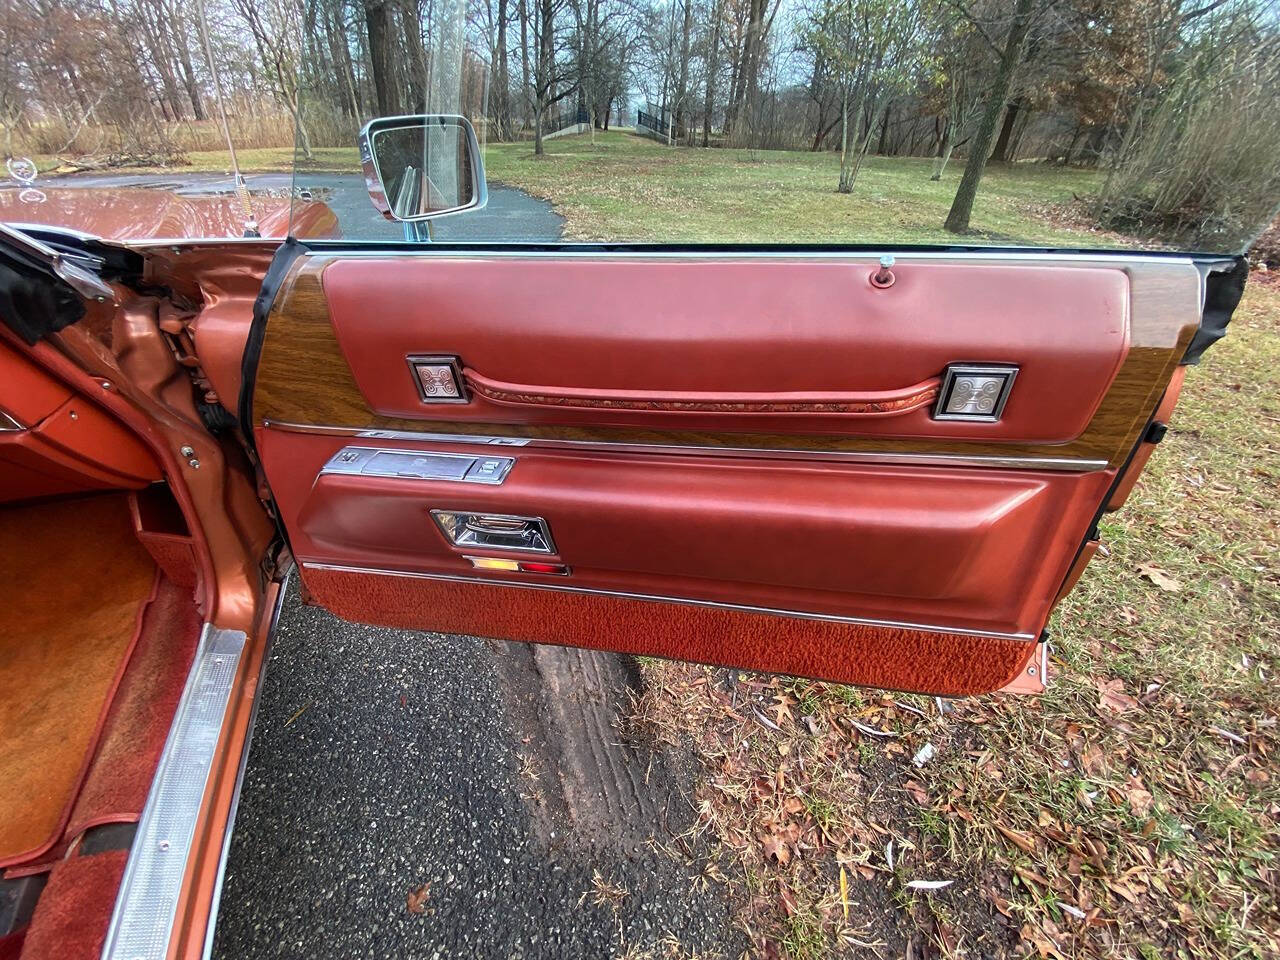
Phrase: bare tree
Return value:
(873, 49)
(276, 29)
(1010, 54)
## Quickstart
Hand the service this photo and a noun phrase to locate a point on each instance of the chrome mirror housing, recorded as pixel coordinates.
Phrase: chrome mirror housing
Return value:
(422, 166)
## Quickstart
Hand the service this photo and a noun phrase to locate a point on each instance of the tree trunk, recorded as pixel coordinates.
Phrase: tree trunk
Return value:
(884, 131)
(524, 55)
(679, 120)
(945, 146)
(846, 144)
(416, 65)
(713, 62)
(544, 79)
(962, 206)
(749, 77)
(377, 18)
(188, 74)
(502, 79)
(1001, 153)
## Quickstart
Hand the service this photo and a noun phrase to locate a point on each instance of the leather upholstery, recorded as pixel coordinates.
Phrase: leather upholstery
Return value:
(733, 327)
(69, 445)
(970, 548)
(877, 403)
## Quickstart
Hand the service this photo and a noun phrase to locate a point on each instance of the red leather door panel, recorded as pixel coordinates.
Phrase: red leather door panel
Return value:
(737, 459)
(719, 329)
(961, 547)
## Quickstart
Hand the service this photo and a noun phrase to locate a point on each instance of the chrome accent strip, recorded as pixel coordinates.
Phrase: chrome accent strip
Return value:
(418, 465)
(411, 435)
(685, 601)
(382, 248)
(215, 903)
(770, 453)
(143, 917)
(9, 424)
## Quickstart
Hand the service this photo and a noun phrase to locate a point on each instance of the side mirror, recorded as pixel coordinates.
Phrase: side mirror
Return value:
(421, 167)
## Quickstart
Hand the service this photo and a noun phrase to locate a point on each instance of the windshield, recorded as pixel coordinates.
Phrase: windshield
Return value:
(1147, 124)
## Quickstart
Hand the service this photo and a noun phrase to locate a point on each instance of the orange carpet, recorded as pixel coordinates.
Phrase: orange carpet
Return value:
(73, 583)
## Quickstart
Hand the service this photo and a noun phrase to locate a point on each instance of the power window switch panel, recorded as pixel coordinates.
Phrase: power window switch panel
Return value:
(490, 469)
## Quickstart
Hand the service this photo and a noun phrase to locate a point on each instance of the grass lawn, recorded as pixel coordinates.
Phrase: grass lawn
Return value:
(1131, 811)
(623, 187)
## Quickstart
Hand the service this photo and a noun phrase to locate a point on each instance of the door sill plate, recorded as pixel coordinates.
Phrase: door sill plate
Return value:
(142, 921)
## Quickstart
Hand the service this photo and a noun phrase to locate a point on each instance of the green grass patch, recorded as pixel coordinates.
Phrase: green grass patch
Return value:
(619, 186)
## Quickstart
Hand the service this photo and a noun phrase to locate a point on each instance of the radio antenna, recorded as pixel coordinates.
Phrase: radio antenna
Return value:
(242, 189)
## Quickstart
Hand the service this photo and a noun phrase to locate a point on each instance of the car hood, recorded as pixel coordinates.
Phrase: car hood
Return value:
(139, 213)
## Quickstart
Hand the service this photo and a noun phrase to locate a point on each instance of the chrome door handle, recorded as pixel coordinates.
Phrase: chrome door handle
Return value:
(497, 531)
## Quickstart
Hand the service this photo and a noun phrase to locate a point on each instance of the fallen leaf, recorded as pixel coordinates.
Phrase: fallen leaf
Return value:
(1111, 696)
(1021, 841)
(775, 844)
(1043, 943)
(1091, 759)
(782, 707)
(918, 793)
(788, 901)
(417, 899)
(844, 893)
(1139, 797)
(1159, 577)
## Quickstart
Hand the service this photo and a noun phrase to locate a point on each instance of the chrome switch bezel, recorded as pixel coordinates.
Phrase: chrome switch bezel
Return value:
(451, 363)
(955, 372)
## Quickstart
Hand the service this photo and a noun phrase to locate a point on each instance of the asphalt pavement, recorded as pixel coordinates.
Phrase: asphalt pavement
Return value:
(498, 782)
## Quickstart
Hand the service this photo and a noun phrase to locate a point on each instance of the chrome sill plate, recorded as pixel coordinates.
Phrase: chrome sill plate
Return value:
(142, 921)
(658, 598)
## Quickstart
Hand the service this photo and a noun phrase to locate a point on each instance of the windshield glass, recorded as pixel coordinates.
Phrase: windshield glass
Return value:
(1061, 123)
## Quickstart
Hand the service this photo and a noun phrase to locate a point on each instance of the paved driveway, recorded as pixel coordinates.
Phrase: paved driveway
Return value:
(500, 780)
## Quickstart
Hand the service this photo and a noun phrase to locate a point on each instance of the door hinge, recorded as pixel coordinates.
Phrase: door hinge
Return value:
(1034, 677)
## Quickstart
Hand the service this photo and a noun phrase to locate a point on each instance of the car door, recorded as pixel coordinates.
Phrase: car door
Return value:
(801, 461)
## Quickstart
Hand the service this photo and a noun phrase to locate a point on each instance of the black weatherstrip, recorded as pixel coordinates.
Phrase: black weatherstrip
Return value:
(1222, 291)
(285, 255)
(34, 301)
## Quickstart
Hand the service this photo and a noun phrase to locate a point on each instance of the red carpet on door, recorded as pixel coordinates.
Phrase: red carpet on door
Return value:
(71, 919)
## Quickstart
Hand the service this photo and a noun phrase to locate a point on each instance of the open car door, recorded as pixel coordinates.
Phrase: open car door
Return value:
(802, 462)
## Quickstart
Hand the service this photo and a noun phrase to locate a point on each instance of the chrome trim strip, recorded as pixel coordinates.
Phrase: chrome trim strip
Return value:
(355, 461)
(214, 904)
(143, 917)
(383, 248)
(771, 453)
(902, 256)
(9, 424)
(658, 598)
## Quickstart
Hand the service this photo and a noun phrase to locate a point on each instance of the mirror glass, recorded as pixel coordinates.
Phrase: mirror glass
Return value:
(425, 168)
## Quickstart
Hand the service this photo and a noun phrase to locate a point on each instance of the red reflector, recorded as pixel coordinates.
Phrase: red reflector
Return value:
(533, 566)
